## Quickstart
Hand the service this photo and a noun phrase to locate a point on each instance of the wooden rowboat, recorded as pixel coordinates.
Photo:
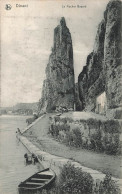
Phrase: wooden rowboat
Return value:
(40, 180)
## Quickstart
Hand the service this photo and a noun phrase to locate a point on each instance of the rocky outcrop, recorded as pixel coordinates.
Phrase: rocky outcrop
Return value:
(112, 54)
(78, 103)
(102, 72)
(58, 88)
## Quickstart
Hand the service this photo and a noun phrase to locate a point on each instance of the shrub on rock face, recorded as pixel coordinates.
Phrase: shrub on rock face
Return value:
(30, 120)
(64, 120)
(66, 127)
(56, 128)
(69, 138)
(53, 107)
(77, 137)
(108, 186)
(73, 137)
(111, 126)
(113, 146)
(35, 116)
(109, 143)
(96, 143)
(74, 180)
(103, 136)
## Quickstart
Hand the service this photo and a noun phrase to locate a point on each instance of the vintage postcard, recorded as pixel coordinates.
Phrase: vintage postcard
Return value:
(61, 99)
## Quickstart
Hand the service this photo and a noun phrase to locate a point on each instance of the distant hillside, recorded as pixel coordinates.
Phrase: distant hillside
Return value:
(6, 108)
(24, 106)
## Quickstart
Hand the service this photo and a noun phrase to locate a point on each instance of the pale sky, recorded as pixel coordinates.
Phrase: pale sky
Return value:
(27, 38)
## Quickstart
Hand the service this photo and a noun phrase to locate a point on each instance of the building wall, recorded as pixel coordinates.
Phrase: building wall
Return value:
(101, 103)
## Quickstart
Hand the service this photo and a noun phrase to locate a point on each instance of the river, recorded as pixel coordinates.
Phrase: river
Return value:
(12, 167)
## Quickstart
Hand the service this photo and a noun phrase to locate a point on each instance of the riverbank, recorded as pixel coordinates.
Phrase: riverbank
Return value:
(37, 134)
(56, 163)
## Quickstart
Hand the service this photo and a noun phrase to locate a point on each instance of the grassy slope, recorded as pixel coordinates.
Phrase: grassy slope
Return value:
(102, 162)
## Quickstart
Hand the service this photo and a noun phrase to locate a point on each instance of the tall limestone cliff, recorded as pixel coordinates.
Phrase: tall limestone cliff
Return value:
(102, 73)
(91, 80)
(58, 87)
(112, 54)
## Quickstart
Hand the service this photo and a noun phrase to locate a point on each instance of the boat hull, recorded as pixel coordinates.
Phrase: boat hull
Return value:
(37, 182)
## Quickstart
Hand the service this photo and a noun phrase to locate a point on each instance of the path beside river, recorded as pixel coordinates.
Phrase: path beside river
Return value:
(37, 134)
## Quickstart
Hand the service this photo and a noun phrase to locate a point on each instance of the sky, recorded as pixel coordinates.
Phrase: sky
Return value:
(27, 37)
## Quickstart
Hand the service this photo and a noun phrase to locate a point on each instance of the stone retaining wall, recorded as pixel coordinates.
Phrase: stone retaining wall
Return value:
(29, 126)
(55, 162)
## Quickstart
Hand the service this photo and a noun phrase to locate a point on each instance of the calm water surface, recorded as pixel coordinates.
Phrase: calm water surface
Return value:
(12, 167)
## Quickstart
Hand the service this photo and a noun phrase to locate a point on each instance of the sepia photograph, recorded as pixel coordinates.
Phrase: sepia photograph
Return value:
(60, 97)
